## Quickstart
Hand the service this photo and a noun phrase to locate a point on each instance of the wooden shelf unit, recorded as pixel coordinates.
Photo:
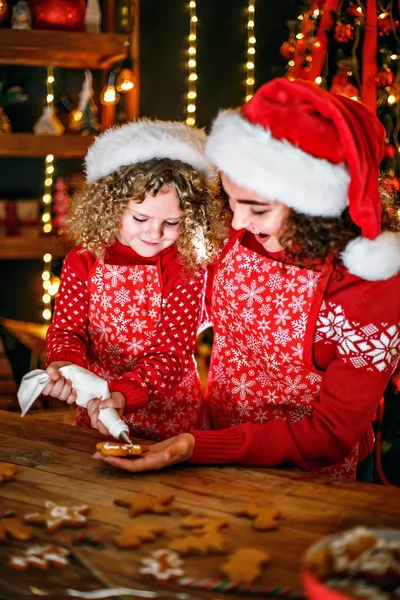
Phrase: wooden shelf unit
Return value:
(29, 145)
(29, 247)
(69, 49)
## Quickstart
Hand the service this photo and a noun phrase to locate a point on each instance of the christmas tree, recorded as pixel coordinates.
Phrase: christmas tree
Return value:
(352, 48)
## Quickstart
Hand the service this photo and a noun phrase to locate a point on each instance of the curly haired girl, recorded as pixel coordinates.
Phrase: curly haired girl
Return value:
(132, 292)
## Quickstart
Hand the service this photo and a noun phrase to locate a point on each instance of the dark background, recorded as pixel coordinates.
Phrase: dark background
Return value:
(164, 27)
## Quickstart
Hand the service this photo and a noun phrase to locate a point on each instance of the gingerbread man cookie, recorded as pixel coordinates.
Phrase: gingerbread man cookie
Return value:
(203, 524)
(16, 529)
(119, 449)
(265, 517)
(244, 566)
(162, 565)
(7, 471)
(210, 542)
(58, 516)
(39, 557)
(142, 503)
(135, 534)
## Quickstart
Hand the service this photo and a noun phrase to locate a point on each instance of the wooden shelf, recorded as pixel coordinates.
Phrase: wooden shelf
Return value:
(26, 247)
(69, 49)
(31, 145)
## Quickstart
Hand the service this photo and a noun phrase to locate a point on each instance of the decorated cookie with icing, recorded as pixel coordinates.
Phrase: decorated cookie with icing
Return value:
(119, 449)
(57, 516)
(39, 557)
(162, 565)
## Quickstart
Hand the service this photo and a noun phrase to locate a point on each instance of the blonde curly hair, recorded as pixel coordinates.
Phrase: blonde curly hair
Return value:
(96, 210)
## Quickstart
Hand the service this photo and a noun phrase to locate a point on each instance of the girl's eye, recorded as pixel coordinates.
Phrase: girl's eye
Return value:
(263, 212)
(172, 223)
(139, 220)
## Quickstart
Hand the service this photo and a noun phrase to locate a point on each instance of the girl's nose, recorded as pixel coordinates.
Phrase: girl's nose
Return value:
(154, 230)
(240, 219)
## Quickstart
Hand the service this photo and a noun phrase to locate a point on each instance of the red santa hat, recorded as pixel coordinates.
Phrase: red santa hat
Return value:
(316, 152)
(143, 140)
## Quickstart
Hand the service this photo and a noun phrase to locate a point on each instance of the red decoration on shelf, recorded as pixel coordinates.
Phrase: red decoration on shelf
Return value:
(61, 202)
(384, 78)
(344, 32)
(63, 14)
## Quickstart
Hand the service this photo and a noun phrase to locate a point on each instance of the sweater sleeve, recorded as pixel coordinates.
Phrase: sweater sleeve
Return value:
(67, 335)
(169, 352)
(367, 346)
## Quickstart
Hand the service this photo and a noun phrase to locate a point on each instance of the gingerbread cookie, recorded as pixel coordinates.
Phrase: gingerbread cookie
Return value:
(57, 516)
(39, 557)
(244, 566)
(265, 517)
(119, 449)
(162, 565)
(210, 542)
(143, 503)
(135, 534)
(7, 471)
(203, 524)
(16, 529)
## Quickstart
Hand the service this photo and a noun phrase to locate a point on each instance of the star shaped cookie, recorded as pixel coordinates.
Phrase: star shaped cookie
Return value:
(57, 516)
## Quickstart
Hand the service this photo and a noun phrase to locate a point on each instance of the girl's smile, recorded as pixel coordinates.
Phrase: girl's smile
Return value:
(263, 218)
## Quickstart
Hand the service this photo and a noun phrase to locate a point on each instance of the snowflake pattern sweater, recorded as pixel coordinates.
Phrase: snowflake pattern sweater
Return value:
(300, 382)
(134, 321)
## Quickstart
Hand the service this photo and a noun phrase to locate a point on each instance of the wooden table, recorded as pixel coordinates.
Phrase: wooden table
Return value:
(55, 464)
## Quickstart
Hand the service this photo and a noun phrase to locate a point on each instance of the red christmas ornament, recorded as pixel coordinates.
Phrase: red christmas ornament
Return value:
(384, 78)
(63, 14)
(389, 151)
(287, 50)
(344, 32)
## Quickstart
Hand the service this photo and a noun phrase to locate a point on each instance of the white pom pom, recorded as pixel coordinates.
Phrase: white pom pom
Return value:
(373, 260)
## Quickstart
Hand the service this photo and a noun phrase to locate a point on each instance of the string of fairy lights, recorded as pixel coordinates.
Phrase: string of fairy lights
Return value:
(50, 284)
(251, 50)
(192, 66)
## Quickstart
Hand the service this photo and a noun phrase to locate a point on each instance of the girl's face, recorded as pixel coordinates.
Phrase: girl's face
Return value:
(264, 218)
(152, 225)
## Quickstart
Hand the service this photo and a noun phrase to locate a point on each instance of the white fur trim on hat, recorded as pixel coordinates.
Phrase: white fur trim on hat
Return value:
(275, 169)
(143, 140)
(373, 260)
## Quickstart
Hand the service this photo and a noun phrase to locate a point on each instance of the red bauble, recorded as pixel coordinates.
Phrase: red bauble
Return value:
(287, 50)
(344, 32)
(61, 14)
(384, 78)
(389, 151)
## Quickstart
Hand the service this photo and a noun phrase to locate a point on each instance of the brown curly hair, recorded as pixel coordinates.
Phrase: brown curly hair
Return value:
(96, 210)
(308, 241)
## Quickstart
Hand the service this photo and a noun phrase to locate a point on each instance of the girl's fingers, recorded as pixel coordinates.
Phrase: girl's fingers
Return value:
(151, 462)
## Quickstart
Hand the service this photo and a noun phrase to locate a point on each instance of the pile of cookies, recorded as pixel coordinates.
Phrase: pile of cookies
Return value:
(359, 563)
(200, 536)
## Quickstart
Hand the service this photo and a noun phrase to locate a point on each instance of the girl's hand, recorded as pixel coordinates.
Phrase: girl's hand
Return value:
(166, 453)
(117, 401)
(58, 386)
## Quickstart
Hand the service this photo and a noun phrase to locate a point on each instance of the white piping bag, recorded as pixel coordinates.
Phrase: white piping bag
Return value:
(87, 386)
